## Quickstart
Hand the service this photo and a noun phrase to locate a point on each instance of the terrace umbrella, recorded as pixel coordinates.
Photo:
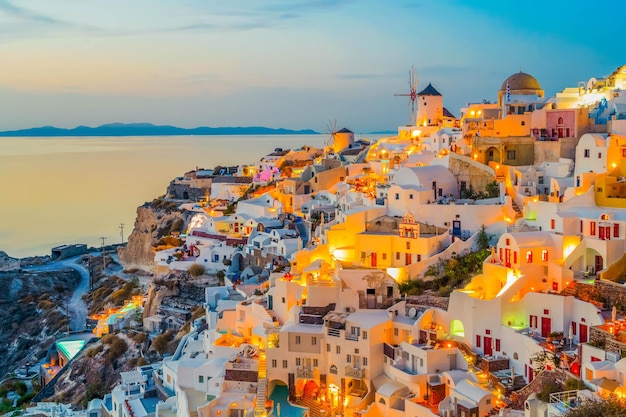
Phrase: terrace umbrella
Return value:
(613, 314)
(570, 336)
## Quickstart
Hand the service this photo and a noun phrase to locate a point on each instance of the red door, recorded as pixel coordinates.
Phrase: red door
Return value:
(531, 373)
(507, 257)
(599, 264)
(408, 259)
(373, 259)
(583, 334)
(487, 348)
(601, 233)
(546, 326)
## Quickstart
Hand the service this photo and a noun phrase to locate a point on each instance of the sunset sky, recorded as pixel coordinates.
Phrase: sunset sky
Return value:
(284, 63)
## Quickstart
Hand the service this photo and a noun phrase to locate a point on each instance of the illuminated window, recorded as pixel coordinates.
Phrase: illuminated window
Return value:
(604, 217)
(544, 255)
(529, 257)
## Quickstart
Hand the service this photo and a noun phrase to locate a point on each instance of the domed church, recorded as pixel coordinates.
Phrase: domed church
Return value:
(519, 84)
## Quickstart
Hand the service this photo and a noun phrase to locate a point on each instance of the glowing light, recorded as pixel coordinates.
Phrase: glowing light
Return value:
(497, 167)
(475, 156)
(614, 165)
(416, 133)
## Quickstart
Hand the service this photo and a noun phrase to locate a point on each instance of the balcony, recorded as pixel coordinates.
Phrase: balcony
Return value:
(353, 337)
(354, 372)
(304, 373)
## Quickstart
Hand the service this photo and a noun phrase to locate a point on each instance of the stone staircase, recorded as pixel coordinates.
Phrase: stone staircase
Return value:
(518, 212)
(261, 388)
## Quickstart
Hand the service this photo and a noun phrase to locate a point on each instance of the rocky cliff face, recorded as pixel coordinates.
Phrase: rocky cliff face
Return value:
(32, 313)
(154, 220)
(7, 263)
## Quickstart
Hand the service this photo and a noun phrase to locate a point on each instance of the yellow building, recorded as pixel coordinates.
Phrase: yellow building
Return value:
(610, 187)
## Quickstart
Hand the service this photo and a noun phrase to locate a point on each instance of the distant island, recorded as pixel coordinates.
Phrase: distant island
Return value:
(148, 129)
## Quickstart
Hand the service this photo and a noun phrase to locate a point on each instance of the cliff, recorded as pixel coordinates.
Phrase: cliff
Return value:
(154, 221)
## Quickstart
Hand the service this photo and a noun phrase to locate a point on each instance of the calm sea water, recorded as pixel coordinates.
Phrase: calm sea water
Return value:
(75, 190)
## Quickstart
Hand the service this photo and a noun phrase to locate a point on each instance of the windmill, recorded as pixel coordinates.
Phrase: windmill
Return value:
(332, 131)
(412, 94)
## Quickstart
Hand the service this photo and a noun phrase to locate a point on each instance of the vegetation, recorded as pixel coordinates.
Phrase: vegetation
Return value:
(130, 288)
(447, 275)
(483, 238)
(162, 341)
(545, 358)
(117, 346)
(492, 190)
(196, 270)
(549, 388)
(574, 384)
(95, 390)
(612, 407)
(177, 225)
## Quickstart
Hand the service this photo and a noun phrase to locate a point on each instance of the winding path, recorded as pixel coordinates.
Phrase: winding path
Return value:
(77, 307)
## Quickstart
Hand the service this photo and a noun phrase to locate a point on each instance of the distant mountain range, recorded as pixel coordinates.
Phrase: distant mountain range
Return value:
(148, 129)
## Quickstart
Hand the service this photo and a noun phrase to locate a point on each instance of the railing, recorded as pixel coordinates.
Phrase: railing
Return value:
(334, 332)
(354, 337)
(354, 372)
(304, 373)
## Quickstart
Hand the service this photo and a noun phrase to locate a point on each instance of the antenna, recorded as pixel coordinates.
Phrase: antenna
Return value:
(122, 231)
(104, 261)
(412, 94)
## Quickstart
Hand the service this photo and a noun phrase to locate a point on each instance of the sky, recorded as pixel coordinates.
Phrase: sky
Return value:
(285, 63)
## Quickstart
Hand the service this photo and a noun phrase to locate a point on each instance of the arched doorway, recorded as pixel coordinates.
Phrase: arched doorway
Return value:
(492, 154)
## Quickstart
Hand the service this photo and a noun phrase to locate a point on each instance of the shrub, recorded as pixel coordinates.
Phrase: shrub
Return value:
(140, 338)
(45, 305)
(117, 349)
(93, 351)
(196, 270)
(142, 361)
(161, 341)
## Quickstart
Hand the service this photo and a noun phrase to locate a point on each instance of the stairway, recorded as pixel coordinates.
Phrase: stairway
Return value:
(261, 388)
(518, 212)
(313, 406)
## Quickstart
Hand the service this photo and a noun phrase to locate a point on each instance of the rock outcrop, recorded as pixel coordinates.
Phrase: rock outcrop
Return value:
(8, 263)
(154, 220)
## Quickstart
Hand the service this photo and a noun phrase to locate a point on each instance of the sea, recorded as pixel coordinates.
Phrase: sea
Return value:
(63, 190)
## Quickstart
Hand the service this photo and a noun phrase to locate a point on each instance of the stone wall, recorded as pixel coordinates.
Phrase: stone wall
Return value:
(184, 191)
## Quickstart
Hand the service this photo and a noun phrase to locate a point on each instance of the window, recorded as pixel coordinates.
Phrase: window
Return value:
(338, 349)
(544, 255)
(397, 196)
(297, 340)
(364, 334)
(510, 154)
(599, 155)
(274, 363)
(552, 224)
(327, 347)
(540, 180)
(559, 121)
(529, 257)
(616, 230)
(623, 152)
(283, 300)
(592, 228)
(298, 361)
(395, 331)
(508, 241)
(356, 351)
(410, 196)
(364, 361)
(314, 340)
(408, 245)
(316, 363)
(333, 369)
(421, 362)
(200, 379)
(397, 256)
(488, 401)
(384, 256)
(587, 153)
(285, 363)
(523, 123)
(349, 358)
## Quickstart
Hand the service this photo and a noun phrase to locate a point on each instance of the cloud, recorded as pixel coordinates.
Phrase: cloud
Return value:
(9, 9)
